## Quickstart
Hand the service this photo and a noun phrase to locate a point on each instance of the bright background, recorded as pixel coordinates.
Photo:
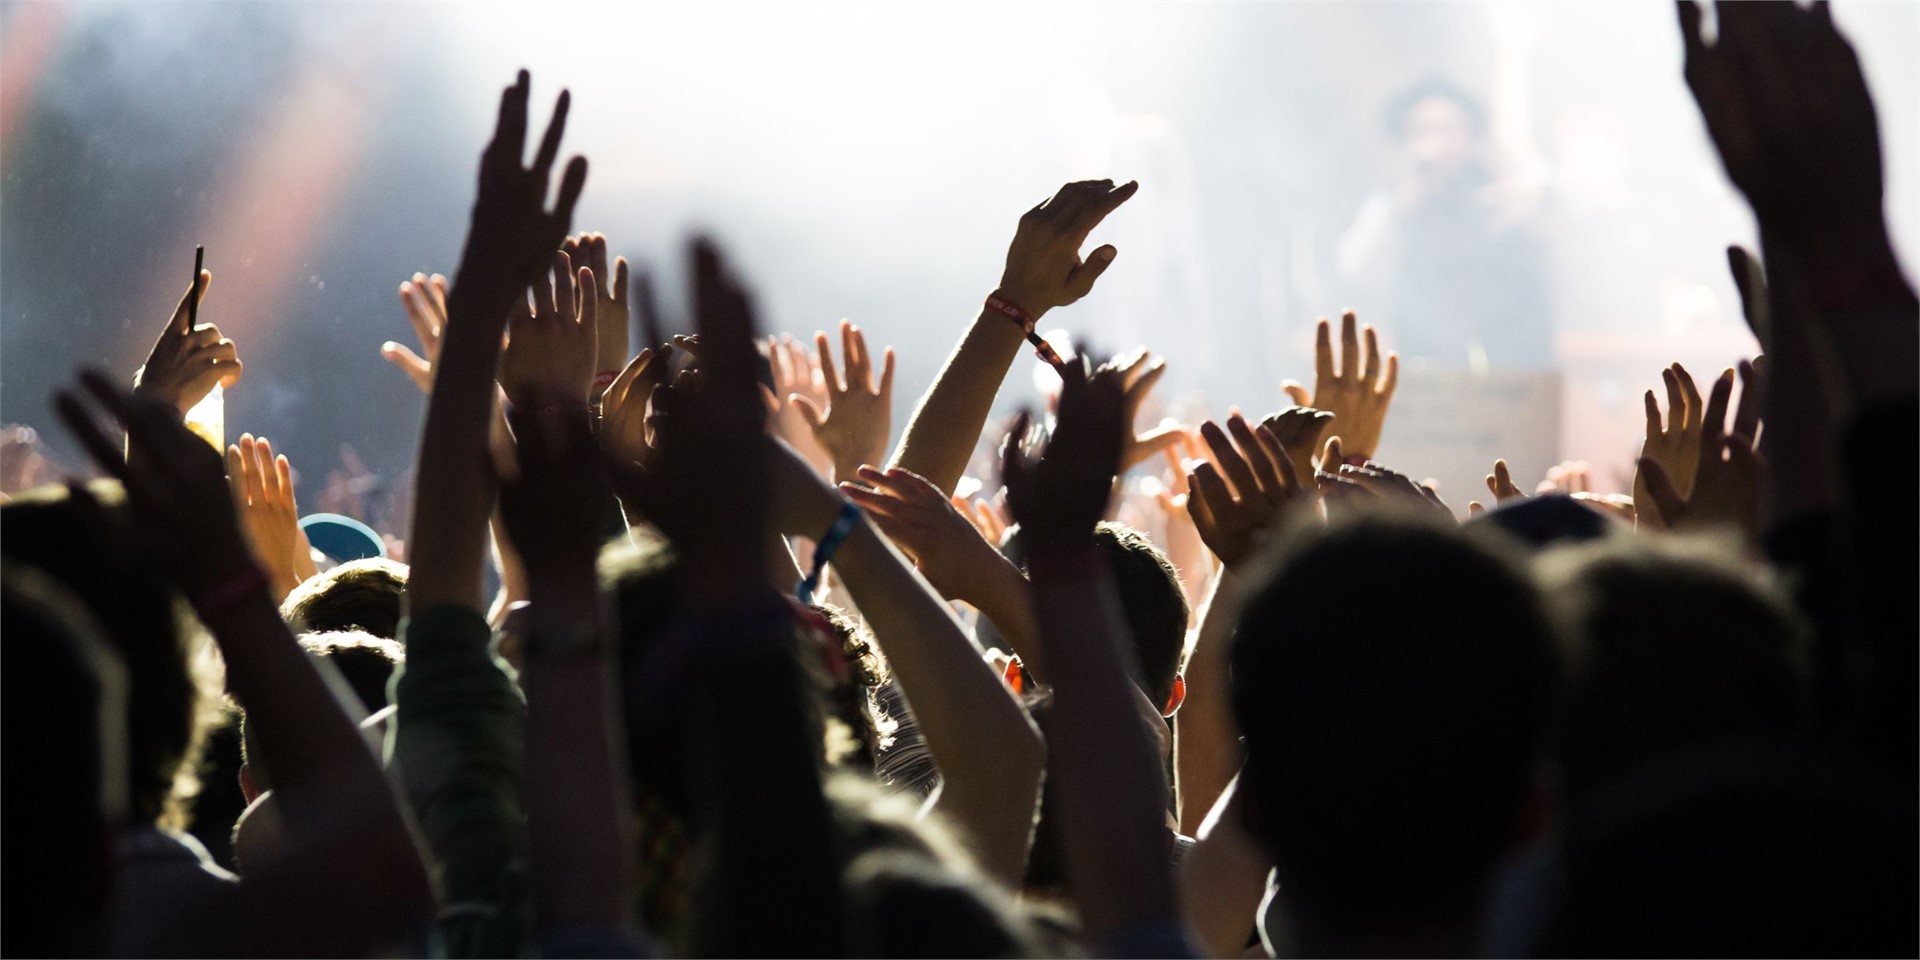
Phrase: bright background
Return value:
(859, 160)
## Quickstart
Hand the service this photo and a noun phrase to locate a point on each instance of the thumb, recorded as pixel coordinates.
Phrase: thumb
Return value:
(1331, 460)
(1080, 281)
(1475, 508)
(811, 414)
(409, 363)
(1297, 392)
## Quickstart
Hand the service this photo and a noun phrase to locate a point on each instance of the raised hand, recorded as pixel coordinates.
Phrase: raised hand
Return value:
(1059, 496)
(424, 299)
(612, 337)
(1676, 447)
(1044, 269)
(1235, 504)
(940, 539)
(984, 516)
(512, 236)
(1500, 484)
(705, 485)
(1140, 377)
(854, 426)
(188, 359)
(1372, 482)
(262, 487)
(1299, 429)
(1727, 475)
(623, 408)
(1353, 388)
(182, 513)
(795, 372)
(1787, 107)
(552, 348)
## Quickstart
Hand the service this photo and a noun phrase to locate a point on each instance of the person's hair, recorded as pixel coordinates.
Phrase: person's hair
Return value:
(1393, 116)
(912, 888)
(1151, 597)
(150, 628)
(362, 595)
(62, 722)
(838, 664)
(1392, 678)
(367, 663)
(1671, 643)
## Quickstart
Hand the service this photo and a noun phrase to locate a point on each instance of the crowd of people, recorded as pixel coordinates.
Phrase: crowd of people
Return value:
(686, 656)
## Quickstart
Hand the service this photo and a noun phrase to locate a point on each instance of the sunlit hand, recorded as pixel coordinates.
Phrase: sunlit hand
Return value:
(985, 517)
(1044, 269)
(262, 486)
(623, 408)
(424, 299)
(1140, 376)
(854, 426)
(1237, 503)
(553, 345)
(1353, 389)
(610, 295)
(1676, 447)
(188, 360)
(937, 536)
(796, 372)
(1727, 477)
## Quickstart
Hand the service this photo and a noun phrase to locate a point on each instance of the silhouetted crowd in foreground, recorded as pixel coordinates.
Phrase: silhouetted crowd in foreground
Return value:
(685, 659)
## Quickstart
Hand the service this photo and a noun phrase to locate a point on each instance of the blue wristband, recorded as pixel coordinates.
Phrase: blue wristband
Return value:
(824, 550)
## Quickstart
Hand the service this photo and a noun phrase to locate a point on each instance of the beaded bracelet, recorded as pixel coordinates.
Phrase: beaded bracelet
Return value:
(824, 550)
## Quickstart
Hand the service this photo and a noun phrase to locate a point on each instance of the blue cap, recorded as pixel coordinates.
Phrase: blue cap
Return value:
(342, 538)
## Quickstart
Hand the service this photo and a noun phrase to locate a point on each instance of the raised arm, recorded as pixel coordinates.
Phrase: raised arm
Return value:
(704, 484)
(330, 787)
(989, 753)
(511, 239)
(1044, 270)
(1110, 784)
(576, 798)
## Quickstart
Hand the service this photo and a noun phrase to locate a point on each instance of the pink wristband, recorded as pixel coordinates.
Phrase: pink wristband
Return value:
(213, 603)
(1012, 312)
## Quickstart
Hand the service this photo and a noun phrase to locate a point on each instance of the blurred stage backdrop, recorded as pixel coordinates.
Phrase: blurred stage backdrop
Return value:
(1521, 196)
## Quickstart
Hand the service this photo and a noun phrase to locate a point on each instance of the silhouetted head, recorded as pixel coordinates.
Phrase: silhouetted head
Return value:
(62, 742)
(1392, 678)
(1152, 599)
(1671, 643)
(149, 627)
